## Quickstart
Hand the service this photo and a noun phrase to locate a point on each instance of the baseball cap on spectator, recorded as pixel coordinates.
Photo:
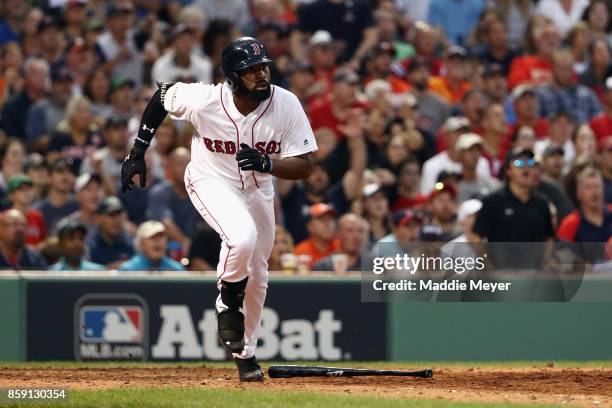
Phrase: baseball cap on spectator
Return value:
(515, 154)
(119, 83)
(376, 86)
(441, 188)
(119, 8)
(77, 45)
(432, 233)
(17, 181)
(346, 75)
(115, 120)
(383, 47)
(370, 189)
(455, 123)
(46, 22)
(492, 70)
(61, 164)
(467, 140)
(467, 208)
(61, 73)
(320, 209)
(405, 217)
(93, 25)
(33, 161)
(456, 51)
(149, 229)
(320, 37)
(553, 149)
(110, 205)
(178, 30)
(522, 90)
(66, 226)
(84, 179)
(76, 3)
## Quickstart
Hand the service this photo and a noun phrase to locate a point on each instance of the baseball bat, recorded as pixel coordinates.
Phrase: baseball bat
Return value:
(289, 371)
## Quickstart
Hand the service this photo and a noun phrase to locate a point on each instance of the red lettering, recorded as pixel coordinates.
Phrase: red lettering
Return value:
(230, 147)
(271, 147)
(260, 146)
(219, 146)
(209, 144)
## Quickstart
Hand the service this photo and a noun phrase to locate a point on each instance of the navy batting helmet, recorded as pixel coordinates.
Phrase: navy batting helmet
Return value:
(241, 53)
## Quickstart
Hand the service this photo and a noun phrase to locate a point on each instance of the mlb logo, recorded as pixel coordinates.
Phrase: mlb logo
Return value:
(111, 324)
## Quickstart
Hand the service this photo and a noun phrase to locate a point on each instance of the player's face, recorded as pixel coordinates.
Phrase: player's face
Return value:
(255, 82)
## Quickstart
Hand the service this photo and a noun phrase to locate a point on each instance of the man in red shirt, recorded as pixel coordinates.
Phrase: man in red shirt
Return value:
(21, 194)
(322, 240)
(536, 69)
(336, 109)
(602, 124)
(409, 180)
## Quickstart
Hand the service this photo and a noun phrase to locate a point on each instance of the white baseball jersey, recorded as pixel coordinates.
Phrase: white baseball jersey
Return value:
(278, 127)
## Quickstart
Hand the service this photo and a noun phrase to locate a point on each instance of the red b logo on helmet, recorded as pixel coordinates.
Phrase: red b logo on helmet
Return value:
(256, 48)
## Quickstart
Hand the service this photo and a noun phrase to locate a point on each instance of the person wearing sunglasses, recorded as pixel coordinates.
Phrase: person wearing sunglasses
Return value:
(516, 214)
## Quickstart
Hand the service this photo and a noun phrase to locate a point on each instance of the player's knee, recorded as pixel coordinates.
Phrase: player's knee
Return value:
(245, 244)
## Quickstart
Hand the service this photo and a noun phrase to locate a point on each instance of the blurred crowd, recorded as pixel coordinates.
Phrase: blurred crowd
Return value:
(436, 120)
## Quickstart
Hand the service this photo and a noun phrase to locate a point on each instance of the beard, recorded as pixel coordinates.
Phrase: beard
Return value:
(255, 94)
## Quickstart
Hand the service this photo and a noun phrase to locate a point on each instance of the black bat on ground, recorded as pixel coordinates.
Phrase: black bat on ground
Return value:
(289, 371)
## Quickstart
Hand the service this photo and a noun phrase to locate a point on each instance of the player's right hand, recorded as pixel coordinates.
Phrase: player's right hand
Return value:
(133, 164)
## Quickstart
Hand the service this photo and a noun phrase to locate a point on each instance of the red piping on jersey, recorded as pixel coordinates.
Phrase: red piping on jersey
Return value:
(253, 131)
(237, 134)
(229, 248)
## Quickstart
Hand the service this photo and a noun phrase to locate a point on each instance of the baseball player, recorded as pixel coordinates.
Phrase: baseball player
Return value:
(247, 131)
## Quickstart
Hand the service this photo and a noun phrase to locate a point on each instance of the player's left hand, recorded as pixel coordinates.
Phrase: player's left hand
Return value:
(251, 159)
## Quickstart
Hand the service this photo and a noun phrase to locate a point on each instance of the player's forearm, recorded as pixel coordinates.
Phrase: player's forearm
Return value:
(293, 168)
(152, 117)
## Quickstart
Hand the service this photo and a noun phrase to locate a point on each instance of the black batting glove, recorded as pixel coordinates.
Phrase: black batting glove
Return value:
(134, 164)
(251, 159)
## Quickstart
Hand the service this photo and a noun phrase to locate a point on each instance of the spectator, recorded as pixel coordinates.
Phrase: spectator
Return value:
(376, 211)
(406, 229)
(523, 138)
(12, 157)
(471, 185)
(322, 233)
(97, 89)
(152, 243)
(379, 66)
(551, 165)
(462, 246)
(166, 140)
(29, 35)
(351, 23)
(605, 161)
(599, 68)
(16, 109)
(34, 167)
(407, 194)
(59, 201)
(597, 16)
(352, 238)
(585, 144)
(456, 18)
(602, 124)
(283, 244)
(11, 81)
(525, 105)
(553, 193)
(473, 106)
(592, 222)
(88, 192)
(426, 44)
(122, 96)
(14, 12)
(387, 25)
(494, 135)
(47, 113)
(195, 19)
(494, 83)
(448, 160)
(497, 49)
(20, 193)
(169, 202)
(321, 54)
(109, 244)
(578, 40)
(118, 47)
(535, 67)
(75, 15)
(71, 235)
(50, 40)
(14, 254)
(77, 136)
(180, 63)
(106, 162)
(564, 94)
(432, 111)
(564, 14)
(442, 205)
(514, 213)
(560, 133)
(453, 85)
(302, 83)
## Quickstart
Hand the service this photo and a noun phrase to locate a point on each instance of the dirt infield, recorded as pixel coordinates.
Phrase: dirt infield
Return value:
(584, 387)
